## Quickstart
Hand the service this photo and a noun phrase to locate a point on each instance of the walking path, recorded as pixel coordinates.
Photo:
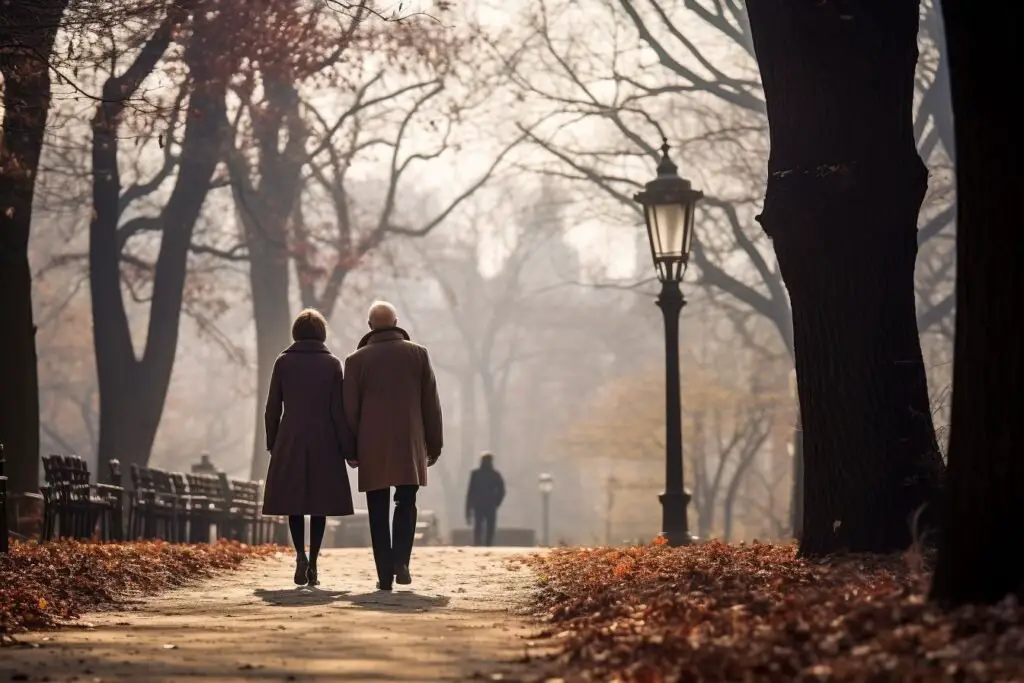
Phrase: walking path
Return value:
(455, 623)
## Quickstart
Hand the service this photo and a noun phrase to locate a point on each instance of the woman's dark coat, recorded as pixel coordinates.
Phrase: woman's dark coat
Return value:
(311, 440)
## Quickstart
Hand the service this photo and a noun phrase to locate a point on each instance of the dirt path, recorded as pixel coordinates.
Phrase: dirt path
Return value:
(455, 623)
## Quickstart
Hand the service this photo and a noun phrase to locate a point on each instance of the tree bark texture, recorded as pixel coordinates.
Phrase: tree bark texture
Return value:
(266, 206)
(133, 390)
(984, 512)
(844, 189)
(269, 279)
(27, 36)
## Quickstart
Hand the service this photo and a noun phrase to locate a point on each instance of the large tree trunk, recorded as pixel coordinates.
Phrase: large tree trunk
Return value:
(27, 36)
(796, 496)
(265, 207)
(984, 515)
(133, 391)
(268, 275)
(844, 189)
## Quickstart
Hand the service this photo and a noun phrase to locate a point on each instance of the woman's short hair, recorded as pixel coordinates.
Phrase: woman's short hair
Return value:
(309, 325)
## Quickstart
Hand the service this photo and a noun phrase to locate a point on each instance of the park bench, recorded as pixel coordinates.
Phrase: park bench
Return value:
(172, 506)
(74, 505)
(208, 507)
(427, 528)
(352, 531)
(159, 507)
(148, 512)
(3, 503)
(274, 527)
(196, 507)
(242, 515)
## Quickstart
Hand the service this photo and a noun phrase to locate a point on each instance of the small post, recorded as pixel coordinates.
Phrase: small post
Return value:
(4, 548)
(546, 483)
(609, 506)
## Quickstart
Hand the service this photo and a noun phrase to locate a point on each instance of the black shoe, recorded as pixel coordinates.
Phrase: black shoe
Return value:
(402, 575)
(301, 568)
(386, 588)
(311, 578)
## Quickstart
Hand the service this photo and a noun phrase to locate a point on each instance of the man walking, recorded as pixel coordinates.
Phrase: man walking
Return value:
(484, 497)
(392, 406)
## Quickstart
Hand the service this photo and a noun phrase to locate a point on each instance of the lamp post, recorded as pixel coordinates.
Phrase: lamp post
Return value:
(668, 202)
(546, 484)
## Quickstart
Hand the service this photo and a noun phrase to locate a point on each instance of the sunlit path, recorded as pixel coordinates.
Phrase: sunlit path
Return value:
(455, 622)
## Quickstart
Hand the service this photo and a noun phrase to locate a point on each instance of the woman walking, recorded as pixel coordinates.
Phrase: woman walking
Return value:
(309, 441)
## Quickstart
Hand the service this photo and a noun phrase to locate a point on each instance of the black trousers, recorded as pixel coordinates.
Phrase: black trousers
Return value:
(392, 546)
(484, 522)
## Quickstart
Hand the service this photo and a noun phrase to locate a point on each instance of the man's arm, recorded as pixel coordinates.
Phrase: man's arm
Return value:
(430, 401)
(351, 394)
(342, 431)
(275, 401)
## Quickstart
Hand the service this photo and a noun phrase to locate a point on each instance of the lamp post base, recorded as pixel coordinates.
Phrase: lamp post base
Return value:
(675, 528)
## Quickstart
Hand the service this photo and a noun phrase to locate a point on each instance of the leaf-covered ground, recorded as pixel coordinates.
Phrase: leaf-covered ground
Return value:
(716, 612)
(45, 585)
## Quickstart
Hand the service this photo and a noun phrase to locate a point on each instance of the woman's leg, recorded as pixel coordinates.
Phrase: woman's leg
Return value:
(297, 525)
(317, 525)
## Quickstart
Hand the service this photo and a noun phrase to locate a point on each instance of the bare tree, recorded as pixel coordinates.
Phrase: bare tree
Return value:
(614, 90)
(727, 441)
(842, 143)
(133, 389)
(394, 117)
(499, 321)
(27, 34)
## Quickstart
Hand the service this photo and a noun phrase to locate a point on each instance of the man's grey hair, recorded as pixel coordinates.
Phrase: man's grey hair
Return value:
(382, 315)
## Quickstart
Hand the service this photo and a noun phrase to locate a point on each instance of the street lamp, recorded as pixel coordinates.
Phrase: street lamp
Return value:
(546, 484)
(668, 203)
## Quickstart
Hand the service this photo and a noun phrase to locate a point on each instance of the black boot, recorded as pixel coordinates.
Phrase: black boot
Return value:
(301, 568)
(402, 575)
(311, 577)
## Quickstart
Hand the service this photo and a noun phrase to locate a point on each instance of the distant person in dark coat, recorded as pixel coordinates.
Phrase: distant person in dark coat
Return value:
(485, 495)
(309, 441)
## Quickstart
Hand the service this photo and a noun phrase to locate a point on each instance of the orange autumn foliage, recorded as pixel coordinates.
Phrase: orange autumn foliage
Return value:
(42, 586)
(718, 612)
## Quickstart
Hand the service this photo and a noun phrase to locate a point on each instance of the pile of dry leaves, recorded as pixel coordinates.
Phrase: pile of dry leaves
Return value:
(45, 585)
(715, 612)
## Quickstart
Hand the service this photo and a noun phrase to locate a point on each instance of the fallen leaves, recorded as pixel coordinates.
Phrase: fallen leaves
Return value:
(45, 585)
(715, 612)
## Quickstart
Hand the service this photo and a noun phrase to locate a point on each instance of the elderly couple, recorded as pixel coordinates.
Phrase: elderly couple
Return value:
(382, 416)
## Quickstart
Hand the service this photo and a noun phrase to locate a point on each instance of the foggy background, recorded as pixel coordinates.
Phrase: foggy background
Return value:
(532, 284)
